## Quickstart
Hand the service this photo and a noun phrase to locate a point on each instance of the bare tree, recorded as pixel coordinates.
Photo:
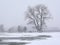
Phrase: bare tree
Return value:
(22, 28)
(37, 16)
(25, 29)
(12, 29)
(2, 28)
(19, 28)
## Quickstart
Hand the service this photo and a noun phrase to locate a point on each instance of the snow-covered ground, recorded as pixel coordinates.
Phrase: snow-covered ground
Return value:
(53, 40)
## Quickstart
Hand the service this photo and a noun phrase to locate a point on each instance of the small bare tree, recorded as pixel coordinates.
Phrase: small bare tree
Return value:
(37, 16)
(2, 28)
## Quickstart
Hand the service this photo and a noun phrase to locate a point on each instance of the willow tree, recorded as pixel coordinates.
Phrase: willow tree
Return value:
(37, 15)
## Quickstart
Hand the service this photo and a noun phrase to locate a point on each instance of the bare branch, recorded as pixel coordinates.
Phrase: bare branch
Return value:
(37, 16)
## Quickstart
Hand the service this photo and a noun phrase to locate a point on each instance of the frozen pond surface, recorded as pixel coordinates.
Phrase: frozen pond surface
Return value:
(31, 38)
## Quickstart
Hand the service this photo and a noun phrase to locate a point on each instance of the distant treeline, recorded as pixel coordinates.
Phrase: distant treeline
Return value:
(19, 29)
(15, 29)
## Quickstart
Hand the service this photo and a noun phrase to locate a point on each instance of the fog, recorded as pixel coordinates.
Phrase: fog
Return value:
(12, 12)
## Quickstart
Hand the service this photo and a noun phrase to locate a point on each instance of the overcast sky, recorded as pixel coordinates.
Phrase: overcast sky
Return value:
(12, 12)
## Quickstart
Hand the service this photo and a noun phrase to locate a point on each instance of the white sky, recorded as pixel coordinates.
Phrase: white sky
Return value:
(12, 11)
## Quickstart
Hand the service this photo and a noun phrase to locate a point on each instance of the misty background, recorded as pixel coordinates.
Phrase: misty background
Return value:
(12, 12)
(12, 16)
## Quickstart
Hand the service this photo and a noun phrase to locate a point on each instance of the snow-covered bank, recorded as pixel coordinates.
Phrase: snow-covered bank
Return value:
(53, 40)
